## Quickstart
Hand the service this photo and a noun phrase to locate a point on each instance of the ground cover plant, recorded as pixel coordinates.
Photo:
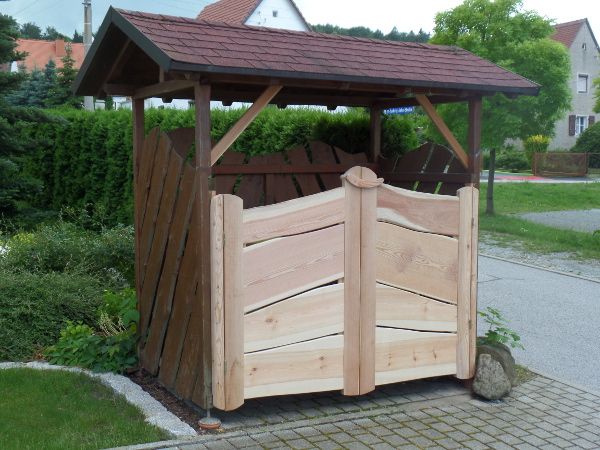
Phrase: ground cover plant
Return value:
(514, 198)
(60, 410)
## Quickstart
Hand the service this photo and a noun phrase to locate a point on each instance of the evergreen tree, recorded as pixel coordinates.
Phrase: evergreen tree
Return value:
(30, 30)
(62, 94)
(365, 32)
(35, 90)
(77, 37)
(52, 34)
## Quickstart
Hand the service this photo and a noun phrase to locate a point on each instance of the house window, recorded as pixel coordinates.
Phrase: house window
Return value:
(275, 13)
(582, 83)
(584, 46)
(581, 123)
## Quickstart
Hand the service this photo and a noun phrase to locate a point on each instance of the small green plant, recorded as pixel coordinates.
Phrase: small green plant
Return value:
(498, 332)
(111, 347)
(535, 144)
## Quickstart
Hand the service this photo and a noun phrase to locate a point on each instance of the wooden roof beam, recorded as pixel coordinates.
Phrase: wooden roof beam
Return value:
(226, 141)
(117, 65)
(163, 89)
(439, 123)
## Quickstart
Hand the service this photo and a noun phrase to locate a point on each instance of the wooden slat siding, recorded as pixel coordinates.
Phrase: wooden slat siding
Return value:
(352, 268)
(310, 315)
(183, 298)
(294, 217)
(252, 187)
(148, 228)
(358, 159)
(154, 264)
(465, 262)
(474, 277)
(168, 279)
(224, 184)
(311, 366)
(418, 211)
(227, 307)
(368, 279)
(280, 268)
(286, 169)
(146, 167)
(404, 355)
(309, 184)
(182, 139)
(426, 264)
(323, 154)
(397, 308)
(449, 188)
(412, 161)
(278, 188)
(440, 157)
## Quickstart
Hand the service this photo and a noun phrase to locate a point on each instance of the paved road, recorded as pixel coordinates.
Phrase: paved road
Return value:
(557, 316)
(586, 220)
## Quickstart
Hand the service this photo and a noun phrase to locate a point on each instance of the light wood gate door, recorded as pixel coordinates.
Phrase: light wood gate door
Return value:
(348, 289)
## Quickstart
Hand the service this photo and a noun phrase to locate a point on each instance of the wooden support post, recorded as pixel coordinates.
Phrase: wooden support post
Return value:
(227, 302)
(439, 123)
(375, 144)
(138, 147)
(467, 283)
(235, 131)
(360, 226)
(202, 305)
(475, 110)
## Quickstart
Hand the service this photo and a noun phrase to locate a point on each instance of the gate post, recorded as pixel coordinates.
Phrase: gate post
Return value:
(227, 302)
(360, 225)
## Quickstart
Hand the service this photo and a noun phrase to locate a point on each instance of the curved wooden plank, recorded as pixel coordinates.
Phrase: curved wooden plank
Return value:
(294, 216)
(418, 211)
(397, 308)
(403, 355)
(310, 315)
(418, 262)
(311, 366)
(280, 268)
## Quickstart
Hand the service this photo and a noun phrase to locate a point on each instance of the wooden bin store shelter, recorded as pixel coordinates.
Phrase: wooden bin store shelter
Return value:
(365, 283)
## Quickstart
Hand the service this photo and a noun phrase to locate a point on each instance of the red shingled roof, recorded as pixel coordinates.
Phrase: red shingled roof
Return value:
(565, 33)
(229, 11)
(39, 52)
(220, 48)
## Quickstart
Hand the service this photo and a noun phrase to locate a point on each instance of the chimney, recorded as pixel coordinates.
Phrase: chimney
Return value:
(60, 48)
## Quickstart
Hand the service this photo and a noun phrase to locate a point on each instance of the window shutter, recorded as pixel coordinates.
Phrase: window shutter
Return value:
(572, 125)
(591, 120)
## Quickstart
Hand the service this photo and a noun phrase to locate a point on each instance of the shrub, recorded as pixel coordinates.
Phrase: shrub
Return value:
(498, 332)
(589, 142)
(35, 306)
(512, 160)
(535, 144)
(111, 347)
(66, 247)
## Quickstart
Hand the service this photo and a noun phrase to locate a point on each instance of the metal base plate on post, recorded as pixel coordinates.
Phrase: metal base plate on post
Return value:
(209, 423)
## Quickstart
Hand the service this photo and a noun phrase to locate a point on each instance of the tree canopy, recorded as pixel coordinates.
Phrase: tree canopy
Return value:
(517, 40)
(365, 32)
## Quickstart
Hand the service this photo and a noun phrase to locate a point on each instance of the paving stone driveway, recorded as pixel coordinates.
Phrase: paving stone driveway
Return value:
(440, 414)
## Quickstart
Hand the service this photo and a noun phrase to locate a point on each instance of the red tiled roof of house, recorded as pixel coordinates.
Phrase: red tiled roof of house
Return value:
(229, 11)
(197, 45)
(39, 52)
(565, 33)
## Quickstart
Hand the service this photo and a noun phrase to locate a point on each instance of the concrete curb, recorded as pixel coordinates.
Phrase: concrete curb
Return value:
(156, 414)
(558, 272)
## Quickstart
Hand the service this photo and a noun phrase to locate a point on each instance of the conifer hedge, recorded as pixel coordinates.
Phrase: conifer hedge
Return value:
(84, 158)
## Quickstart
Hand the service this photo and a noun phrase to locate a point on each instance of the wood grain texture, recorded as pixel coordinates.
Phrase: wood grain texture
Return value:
(310, 315)
(418, 211)
(278, 187)
(294, 216)
(474, 279)
(323, 154)
(217, 296)
(226, 183)
(311, 366)
(308, 183)
(465, 262)
(352, 312)
(409, 355)
(423, 263)
(140, 159)
(280, 268)
(397, 308)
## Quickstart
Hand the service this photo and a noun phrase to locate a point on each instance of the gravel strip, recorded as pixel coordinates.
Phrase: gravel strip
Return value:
(156, 414)
(587, 220)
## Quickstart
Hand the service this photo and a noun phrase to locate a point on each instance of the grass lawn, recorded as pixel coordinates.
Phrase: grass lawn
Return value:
(514, 198)
(63, 410)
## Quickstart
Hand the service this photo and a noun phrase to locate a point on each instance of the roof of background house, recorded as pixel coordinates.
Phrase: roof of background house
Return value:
(235, 12)
(182, 44)
(39, 52)
(565, 33)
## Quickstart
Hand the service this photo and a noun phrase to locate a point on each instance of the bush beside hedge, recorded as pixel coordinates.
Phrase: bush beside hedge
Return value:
(84, 158)
(589, 142)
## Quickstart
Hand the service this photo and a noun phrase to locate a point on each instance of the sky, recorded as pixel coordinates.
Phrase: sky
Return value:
(67, 15)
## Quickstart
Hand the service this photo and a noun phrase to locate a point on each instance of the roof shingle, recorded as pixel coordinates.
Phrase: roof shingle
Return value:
(229, 11)
(565, 33)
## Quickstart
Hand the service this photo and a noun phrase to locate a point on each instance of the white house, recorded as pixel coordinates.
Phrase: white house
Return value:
(583, 48)
(282, 14)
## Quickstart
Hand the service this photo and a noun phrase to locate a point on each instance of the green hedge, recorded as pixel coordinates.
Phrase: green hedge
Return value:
(84, 158)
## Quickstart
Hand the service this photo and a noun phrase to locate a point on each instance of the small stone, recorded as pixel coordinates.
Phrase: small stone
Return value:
(501, 353)
(491, 381)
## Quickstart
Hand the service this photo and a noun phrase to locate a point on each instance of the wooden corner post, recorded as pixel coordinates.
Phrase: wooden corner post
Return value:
(475, 110)
(375, 135)
(202, 305)
(138, 147)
